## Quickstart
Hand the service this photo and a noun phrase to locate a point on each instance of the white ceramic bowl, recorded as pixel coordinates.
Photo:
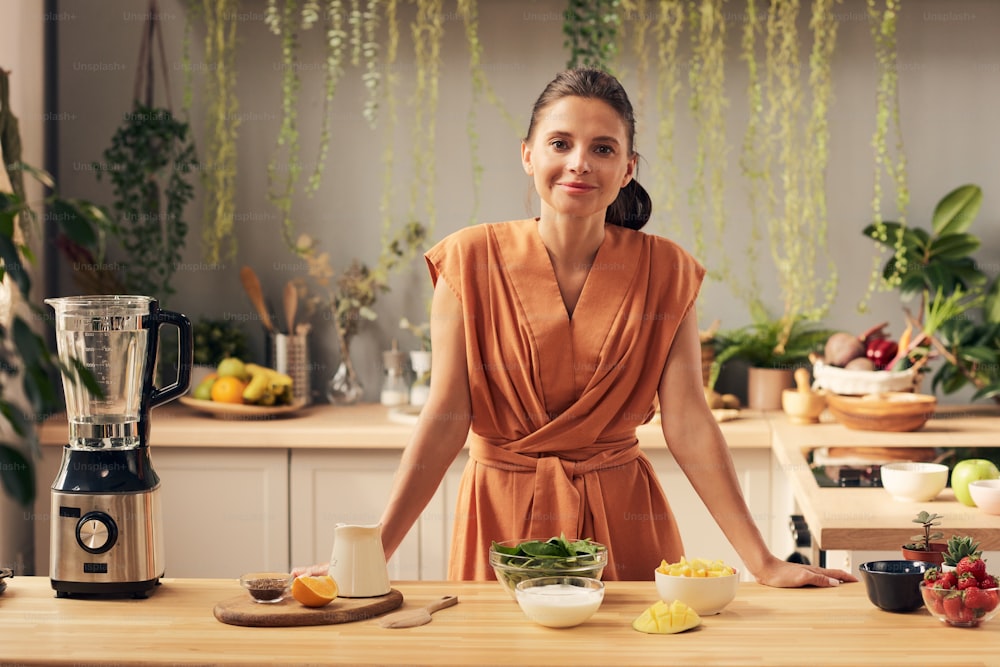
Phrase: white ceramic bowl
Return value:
(914, 481)
(559, 602)
(986, 494)
(706, 595)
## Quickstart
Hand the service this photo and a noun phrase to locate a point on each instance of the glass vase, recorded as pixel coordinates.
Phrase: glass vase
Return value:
(344, 387)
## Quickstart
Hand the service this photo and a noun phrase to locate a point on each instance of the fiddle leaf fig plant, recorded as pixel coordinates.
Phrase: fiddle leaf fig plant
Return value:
(958, 315)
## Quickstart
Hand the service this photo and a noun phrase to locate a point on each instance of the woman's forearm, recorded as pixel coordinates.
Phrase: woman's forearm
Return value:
(439, 436)
(702, 454)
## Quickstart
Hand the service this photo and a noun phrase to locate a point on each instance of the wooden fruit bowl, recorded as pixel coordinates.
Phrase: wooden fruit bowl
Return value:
(889, 411)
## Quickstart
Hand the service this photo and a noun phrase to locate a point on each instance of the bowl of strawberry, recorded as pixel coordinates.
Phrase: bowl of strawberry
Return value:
(966, 596)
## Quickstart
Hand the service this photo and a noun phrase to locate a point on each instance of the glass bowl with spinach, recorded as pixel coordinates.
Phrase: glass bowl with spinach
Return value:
(513, 561)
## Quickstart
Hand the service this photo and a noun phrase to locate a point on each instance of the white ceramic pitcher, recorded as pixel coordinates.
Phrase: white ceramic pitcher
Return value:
(358, 561)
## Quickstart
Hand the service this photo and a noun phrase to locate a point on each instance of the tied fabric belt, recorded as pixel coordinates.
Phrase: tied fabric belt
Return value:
(558, 480)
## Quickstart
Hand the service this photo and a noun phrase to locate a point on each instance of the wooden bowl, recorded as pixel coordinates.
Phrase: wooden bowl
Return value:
(889, 411)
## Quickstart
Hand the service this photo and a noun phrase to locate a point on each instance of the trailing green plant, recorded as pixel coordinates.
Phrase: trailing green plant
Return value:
(767, 342)
(590, 28)
(957, 317)
(221, 129)
(796, 146)
(24, 353)
(707, 103)
(668, 30)
(148, 163)
(427, 31)
(883, 30)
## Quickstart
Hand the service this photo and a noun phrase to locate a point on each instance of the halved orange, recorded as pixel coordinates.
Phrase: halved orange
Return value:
(314, 591)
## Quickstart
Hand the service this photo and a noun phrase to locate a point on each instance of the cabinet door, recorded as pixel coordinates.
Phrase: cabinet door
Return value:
(702, 536)
(344, 486)
(225, 511)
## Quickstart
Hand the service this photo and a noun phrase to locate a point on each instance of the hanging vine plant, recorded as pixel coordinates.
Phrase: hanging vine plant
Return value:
(149, 162)
(221, 129)
(893, 167)
(427, 31)
(708, 104)
(668, 30)
(758, 176)
(590, 28)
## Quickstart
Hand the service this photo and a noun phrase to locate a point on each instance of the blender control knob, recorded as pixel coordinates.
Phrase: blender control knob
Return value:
(96, 532)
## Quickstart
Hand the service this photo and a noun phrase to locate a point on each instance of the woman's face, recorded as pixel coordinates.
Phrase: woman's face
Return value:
(578, 156)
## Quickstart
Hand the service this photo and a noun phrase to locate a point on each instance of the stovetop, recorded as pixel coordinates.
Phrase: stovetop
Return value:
(831, 475)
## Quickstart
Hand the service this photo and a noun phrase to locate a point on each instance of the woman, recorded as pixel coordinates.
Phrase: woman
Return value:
(551, 338)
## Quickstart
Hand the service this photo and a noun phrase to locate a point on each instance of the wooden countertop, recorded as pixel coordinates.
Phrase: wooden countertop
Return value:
(762, 626)
(869, 518)
(324, 426)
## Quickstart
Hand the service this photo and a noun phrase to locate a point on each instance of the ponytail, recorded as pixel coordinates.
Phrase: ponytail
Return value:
(631, 208)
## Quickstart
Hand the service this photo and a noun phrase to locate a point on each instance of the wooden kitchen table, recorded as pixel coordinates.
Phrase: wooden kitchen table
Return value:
(762, 626)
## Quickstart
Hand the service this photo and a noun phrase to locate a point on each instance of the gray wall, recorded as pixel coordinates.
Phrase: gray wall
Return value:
(949, 70)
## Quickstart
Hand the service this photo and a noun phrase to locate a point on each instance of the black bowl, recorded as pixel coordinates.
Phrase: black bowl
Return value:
(894, 585)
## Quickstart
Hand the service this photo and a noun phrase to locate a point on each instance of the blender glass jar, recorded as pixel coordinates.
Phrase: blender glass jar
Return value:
(102, 337)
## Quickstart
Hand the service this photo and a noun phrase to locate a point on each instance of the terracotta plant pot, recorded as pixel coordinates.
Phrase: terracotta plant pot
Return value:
(935, 555)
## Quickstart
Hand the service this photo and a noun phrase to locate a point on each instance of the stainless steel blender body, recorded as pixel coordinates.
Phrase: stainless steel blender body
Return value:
(106, 535)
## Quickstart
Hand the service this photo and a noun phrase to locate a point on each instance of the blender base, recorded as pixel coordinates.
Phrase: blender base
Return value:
(138, 590)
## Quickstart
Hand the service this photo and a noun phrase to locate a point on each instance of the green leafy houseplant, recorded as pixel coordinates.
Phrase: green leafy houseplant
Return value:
(214, 340)
(767, 343)
(929, 521)
(23, 351)
(958, 315)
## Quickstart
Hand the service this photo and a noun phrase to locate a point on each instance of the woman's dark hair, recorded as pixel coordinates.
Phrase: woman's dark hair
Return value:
(633, 206)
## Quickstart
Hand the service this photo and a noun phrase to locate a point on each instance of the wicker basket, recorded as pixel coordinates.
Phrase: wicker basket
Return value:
(847, 382)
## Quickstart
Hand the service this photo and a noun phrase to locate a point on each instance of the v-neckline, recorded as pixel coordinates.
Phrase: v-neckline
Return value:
(554, 278)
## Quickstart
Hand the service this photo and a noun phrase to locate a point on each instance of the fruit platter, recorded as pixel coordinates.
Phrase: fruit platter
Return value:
(242, 390)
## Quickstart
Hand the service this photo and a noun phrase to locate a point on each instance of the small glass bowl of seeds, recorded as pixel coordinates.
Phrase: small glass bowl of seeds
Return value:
(266, 587)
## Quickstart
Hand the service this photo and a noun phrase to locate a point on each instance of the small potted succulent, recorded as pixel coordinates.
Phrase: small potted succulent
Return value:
(923, 546)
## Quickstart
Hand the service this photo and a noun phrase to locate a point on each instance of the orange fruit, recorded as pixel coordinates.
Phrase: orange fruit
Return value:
(314, 591)
(228, 390)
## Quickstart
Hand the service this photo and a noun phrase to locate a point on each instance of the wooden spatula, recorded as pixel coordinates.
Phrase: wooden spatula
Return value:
(411, 618)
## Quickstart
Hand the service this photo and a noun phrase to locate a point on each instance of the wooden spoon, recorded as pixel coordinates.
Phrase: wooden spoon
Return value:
(291, 302)
(251, 284)
(411, 618)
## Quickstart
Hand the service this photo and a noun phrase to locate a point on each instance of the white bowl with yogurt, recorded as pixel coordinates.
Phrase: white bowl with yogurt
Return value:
(559, 601)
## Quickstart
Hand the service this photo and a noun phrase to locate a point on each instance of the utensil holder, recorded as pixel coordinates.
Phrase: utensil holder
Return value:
(290, 355)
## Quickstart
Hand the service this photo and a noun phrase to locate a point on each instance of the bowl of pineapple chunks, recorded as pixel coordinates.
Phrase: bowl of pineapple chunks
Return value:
(706, 586)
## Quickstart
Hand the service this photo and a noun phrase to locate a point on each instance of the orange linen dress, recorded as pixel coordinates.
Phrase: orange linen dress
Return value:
(556, 400)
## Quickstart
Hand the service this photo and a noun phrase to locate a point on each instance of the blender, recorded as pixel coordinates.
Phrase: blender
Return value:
(106, 518)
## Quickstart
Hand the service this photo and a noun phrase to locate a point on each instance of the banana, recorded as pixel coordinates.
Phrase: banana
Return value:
(255, 389)
(267, 386)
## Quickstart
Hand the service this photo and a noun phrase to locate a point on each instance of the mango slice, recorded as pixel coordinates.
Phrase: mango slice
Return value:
(667, 619)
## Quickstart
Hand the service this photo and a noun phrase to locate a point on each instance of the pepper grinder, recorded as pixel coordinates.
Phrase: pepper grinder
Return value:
(395, 389)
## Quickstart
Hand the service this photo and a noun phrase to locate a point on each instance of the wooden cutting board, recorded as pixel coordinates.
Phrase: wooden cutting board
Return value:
(242, 610)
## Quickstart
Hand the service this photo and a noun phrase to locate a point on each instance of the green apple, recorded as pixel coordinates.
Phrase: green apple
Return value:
(967, 471)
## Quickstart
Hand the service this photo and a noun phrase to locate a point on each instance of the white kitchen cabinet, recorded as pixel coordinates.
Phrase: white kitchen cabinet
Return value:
(328, 487)
(768, 498)
(225, 511)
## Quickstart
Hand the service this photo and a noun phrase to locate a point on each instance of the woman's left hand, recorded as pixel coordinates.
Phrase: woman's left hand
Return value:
(782, 574)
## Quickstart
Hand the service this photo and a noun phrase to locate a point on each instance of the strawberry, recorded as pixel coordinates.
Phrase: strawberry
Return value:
(931, 575)
(973, 565)
(991, 601)
(977, 598)
(934, 600)
(989, 581)
(946, 580)
(966, 581)
(953, 607)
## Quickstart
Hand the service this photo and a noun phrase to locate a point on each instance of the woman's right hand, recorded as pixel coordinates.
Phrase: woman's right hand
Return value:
(312, 570)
